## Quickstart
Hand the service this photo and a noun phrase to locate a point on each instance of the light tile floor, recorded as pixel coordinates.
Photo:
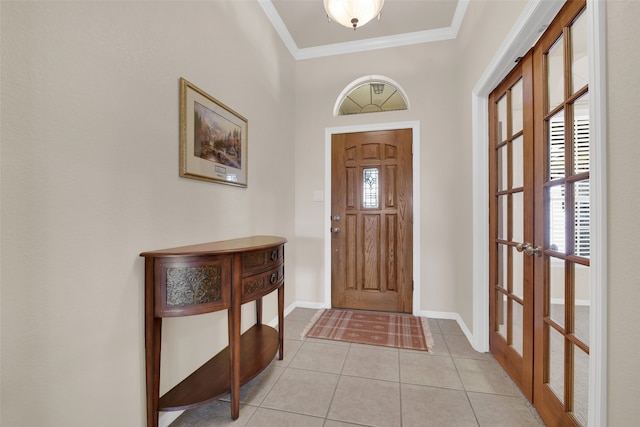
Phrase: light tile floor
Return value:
(331, 384)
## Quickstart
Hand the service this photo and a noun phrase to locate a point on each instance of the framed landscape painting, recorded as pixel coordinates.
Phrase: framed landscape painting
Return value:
(213, 138)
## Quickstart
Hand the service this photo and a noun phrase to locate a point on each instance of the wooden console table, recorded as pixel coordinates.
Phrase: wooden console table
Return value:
(201, 279)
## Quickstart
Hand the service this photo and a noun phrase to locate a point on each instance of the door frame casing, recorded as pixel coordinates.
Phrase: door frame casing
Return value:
(415, 127)
(534, 18)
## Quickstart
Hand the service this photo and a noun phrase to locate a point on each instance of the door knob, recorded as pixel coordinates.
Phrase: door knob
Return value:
(528, 249)
(335, 218)
(334, 229)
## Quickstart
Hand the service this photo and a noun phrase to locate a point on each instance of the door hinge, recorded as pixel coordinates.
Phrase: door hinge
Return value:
(412, 286)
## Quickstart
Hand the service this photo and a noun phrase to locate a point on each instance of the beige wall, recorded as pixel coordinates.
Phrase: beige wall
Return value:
(486, 25)
(90, 180)
(623, 186)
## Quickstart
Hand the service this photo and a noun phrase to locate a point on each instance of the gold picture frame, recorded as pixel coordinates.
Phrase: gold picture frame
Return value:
(213, 138)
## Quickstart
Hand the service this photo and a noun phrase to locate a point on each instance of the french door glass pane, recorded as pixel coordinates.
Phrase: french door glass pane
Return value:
(517, 212)
(556, 146)
(581, 134)
(516, 108)
(518, 274)
(518, 324)
(501, 314)
(579, 58)
(556, 361)
(580, 385)
(502, 266)
(555, 74)
(502, 119)
(517, 162)
(582, 302)
(556, 218)
(582, 221)
(502, 217)
(502, 168)
(556, 290)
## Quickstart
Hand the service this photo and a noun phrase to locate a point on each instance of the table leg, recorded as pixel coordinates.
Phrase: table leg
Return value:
(259, 311)
(281, 321)
(234, 319)
(152, 355)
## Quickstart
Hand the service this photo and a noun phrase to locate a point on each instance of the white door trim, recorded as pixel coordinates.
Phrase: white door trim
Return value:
(532, 22)
(415, 126)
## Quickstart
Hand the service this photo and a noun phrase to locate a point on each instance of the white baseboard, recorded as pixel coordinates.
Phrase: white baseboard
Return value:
(451, 316)
(579, 302)
(307, 304)
(302, 304)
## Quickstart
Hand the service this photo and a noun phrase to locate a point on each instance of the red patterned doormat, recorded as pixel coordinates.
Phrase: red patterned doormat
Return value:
(371, 327)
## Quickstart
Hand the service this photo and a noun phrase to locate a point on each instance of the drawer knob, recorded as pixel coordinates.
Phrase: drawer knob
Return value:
(274, 278)
(274, 255)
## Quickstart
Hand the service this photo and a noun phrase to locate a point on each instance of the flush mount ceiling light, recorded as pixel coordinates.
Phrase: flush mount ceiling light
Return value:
(353, 13)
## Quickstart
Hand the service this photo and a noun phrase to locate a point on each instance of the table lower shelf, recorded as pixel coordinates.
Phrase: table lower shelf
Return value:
(258, 347)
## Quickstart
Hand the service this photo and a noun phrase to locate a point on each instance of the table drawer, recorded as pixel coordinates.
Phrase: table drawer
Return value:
(261, 284)
(261, 260)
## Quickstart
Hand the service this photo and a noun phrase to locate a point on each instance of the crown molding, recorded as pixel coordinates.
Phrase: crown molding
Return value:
(427, 36)
(271, 12)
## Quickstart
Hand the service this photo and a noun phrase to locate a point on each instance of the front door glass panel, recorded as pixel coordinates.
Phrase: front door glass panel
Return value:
(370, 187)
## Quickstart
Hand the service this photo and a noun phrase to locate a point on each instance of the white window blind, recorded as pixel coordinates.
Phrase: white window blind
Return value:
(582, 192)
(557, 214)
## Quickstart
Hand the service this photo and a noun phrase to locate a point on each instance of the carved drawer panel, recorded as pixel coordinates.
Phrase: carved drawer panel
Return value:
(256, 261)
(261, 284)
(189, 286)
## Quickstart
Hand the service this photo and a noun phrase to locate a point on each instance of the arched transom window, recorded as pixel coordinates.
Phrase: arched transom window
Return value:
(371, 94)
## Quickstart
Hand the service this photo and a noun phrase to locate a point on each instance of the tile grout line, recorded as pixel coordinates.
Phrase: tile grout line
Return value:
(333, 395)
(466, 392)
(464, 387)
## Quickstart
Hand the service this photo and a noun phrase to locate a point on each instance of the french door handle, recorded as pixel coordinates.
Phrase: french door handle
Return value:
(528, 249)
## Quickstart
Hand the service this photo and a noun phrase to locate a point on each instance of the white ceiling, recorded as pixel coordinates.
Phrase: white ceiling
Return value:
(304, 27)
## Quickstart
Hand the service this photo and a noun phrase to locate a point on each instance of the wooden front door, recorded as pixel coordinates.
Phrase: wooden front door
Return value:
(539, 221)
(372, 221)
